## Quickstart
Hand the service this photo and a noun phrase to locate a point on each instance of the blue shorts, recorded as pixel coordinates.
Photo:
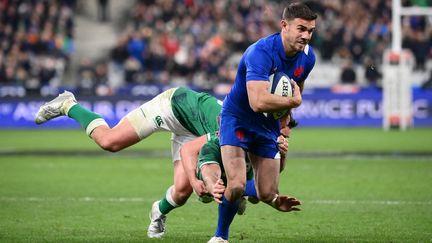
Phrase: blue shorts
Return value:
(251, 137)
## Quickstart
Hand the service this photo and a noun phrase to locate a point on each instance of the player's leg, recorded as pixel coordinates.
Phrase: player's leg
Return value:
(250, 190)
(130, 130)
(66, 104)
(182, 188)
(266, 177)
(232, 139)
(175, 196)
(117, 138)
(233, 159)
(137, 125)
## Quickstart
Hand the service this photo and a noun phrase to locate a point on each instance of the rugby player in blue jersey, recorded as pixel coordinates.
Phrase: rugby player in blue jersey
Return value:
(244, 127)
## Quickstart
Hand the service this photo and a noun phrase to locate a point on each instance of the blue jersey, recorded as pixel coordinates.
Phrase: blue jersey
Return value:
(260, 60)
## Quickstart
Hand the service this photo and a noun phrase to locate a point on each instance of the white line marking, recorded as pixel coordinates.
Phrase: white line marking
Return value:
(147, 200)
(388, 202)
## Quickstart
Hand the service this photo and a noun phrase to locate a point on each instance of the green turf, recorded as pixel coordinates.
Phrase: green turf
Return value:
(107, 198)
(311, 139)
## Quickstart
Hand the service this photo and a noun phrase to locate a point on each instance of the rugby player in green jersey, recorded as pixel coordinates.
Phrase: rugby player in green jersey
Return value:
(183, 112)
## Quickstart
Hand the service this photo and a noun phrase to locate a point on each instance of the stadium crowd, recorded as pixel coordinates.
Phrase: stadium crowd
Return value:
(36, 39)
(196, 43)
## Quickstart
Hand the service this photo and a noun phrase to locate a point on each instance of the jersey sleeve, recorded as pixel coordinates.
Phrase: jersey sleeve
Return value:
(258, 63)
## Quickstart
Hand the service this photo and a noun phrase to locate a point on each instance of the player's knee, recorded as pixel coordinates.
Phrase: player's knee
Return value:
(109, 144)
(266, 197)
(237, 190)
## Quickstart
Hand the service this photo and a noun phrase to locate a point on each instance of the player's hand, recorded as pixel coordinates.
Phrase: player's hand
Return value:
(286, 203)
(285, 131)
(297, 98)
(282, 145)
(218, 190)
(199, 188)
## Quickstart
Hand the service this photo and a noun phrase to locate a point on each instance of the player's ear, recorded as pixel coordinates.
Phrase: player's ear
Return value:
(283, 23)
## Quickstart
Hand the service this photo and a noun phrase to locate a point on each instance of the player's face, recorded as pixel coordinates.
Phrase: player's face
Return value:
(296, 34)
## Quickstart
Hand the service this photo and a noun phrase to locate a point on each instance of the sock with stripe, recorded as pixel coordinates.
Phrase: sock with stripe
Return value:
(167, 204)
(87, 119)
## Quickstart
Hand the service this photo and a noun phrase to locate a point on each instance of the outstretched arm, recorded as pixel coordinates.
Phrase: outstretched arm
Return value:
(189, 157)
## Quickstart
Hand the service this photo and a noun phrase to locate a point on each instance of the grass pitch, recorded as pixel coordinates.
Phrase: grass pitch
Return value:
(356, 185)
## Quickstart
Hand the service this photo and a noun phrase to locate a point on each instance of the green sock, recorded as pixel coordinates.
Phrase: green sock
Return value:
(164, 206)
(82, 115)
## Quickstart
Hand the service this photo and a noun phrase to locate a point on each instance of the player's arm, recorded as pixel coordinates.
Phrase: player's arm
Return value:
(211, 174)
(283, 150)
(258, 62)
(283, 139)
(189, 157)
(260, 100)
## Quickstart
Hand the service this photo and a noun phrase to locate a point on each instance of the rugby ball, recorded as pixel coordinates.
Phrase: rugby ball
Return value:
(280, 84)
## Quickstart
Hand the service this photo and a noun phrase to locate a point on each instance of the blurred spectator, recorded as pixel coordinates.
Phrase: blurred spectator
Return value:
(372, 74)
(136, 47)
(102, 87)
(348, 74)
(119, 53)
(428, 83)
(132, 70)
(419, 45)
(86, 77)
(103, 10)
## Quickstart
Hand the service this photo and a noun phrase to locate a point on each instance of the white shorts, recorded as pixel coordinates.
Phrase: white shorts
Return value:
(156, 115)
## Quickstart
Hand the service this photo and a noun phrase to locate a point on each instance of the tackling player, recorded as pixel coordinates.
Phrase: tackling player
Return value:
(243, 125)
(181, 111)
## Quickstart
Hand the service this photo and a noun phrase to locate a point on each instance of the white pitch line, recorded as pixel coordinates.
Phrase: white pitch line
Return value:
(372, 202)
(146, 200)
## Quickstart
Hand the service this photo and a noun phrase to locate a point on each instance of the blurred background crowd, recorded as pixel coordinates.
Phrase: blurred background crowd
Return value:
(195, 42)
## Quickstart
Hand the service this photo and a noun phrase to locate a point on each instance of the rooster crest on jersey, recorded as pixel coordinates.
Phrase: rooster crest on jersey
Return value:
(280, 84)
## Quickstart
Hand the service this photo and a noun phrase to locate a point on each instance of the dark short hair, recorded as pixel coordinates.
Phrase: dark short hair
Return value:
(298, 10)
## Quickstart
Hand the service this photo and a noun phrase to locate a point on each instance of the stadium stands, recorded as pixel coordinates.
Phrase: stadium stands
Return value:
(36, 39)
(198, 43)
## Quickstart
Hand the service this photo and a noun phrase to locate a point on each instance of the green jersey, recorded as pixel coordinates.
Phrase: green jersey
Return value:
(197, 112)
(210, 153)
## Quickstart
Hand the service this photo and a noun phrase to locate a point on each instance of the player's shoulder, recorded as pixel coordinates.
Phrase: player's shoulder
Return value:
(268, 42)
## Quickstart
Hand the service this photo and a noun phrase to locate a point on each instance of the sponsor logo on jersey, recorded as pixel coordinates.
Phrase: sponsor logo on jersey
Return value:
(158, 120)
